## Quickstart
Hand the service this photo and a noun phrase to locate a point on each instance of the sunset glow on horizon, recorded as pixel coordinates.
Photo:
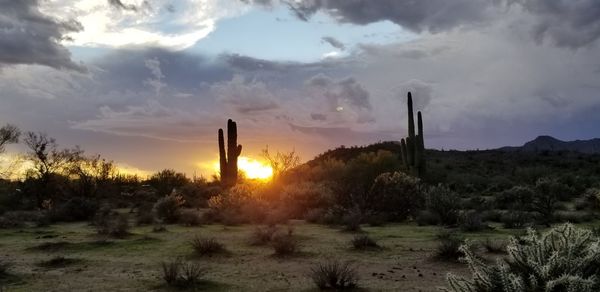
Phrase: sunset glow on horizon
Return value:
(251, 168)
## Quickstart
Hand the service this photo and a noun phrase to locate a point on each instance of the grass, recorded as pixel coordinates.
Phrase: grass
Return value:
(131, 264)
(58, 262)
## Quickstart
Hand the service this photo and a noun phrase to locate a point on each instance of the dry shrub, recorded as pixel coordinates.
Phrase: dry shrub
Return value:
(285, 244)
(207, 246)
(263, 235)
(182, 275)
(189, 218)
(334, 275)
(449, 246)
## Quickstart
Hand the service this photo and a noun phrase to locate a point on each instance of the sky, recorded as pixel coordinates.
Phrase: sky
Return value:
(147, 83)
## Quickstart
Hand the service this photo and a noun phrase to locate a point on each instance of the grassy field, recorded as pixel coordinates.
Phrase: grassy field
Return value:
(405, 263)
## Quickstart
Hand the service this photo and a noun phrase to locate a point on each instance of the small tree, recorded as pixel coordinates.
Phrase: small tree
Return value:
(565, 258)
(281, 162)
(444, 202)
(166, 180)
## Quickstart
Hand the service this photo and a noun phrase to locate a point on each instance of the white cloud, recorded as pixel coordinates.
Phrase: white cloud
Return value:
(161, 23)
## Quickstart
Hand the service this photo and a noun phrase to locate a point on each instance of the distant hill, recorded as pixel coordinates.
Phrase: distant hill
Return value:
(548, 143)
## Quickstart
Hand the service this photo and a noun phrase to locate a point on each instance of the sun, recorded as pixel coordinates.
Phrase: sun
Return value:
(252, 168)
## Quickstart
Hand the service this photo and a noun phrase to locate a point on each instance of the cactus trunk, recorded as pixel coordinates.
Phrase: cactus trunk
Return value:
(228, 158)
(413, 147)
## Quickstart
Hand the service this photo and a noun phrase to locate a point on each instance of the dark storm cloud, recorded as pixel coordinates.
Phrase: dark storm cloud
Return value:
(343, 90)
(567, 23)
(334, 42)
(423, 15)
(120, 5)
(29, 37)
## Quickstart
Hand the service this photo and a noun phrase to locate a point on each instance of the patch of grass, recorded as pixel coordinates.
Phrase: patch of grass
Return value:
(207, 246)
(364, 242)
(58, 262)
(334, 275)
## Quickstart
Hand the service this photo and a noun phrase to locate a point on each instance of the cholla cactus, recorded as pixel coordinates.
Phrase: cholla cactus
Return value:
(565, 258)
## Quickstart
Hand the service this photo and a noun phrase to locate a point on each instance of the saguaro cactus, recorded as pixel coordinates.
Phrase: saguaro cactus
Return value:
(228, 158)
(413, 147)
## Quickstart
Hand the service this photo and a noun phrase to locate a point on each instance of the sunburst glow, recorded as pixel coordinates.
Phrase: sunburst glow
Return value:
(252, 168)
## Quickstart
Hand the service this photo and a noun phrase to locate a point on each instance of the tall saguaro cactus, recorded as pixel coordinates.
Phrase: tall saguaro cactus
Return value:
(228, 158)
(413, 147)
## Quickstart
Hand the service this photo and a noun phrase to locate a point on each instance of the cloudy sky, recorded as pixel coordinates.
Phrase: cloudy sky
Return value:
(147, 83)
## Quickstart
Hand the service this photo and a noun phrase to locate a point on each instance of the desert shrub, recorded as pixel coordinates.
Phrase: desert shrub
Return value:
(207, 246)
(75, 209)
(334, 216)
(182, 275)
(515, 219)
(167, 208)
(396, 194)
(334, 275)
(444, 203)
(189, 218)
(545, 202)
(471, 221)
(302, 197)
(562, 259)
(363, 242)
(284, 244)
(315, 215)
(515, 198)
(145, 215)
(165, 181)
(263, 235)
(448, 248)
(237, 205)
(111, 224)
(352, 219)
(581, 204)
(592, 196)
(494, 245)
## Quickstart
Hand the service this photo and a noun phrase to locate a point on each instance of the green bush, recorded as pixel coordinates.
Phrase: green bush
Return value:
(443, 202)
(167, 208)
(471, 221)
(566, 258)
(396, 194)
(448, 248)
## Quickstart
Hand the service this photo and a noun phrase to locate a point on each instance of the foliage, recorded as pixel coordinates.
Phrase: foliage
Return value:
(263, 235)
(167, 208)
(395, 194)
(494, 245)
(515, 198)
(566, 258)
(363, 242)
(471, 221)
(449, 246)
(281, 162)
(167, 180)
(189, 218)
(111, 223)
(443, 202)
(75, 209)
(284, 244)
(335, 275)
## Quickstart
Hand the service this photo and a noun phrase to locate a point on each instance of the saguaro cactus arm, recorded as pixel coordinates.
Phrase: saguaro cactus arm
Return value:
(222, 156)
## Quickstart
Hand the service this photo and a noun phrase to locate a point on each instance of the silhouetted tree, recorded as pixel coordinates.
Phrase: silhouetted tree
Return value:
(281, 162)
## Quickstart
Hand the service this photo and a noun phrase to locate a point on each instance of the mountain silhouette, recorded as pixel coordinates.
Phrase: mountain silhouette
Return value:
(549, 143)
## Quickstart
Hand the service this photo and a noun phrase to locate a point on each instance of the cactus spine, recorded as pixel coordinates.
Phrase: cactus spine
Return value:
(413, 147)
(228, 158)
